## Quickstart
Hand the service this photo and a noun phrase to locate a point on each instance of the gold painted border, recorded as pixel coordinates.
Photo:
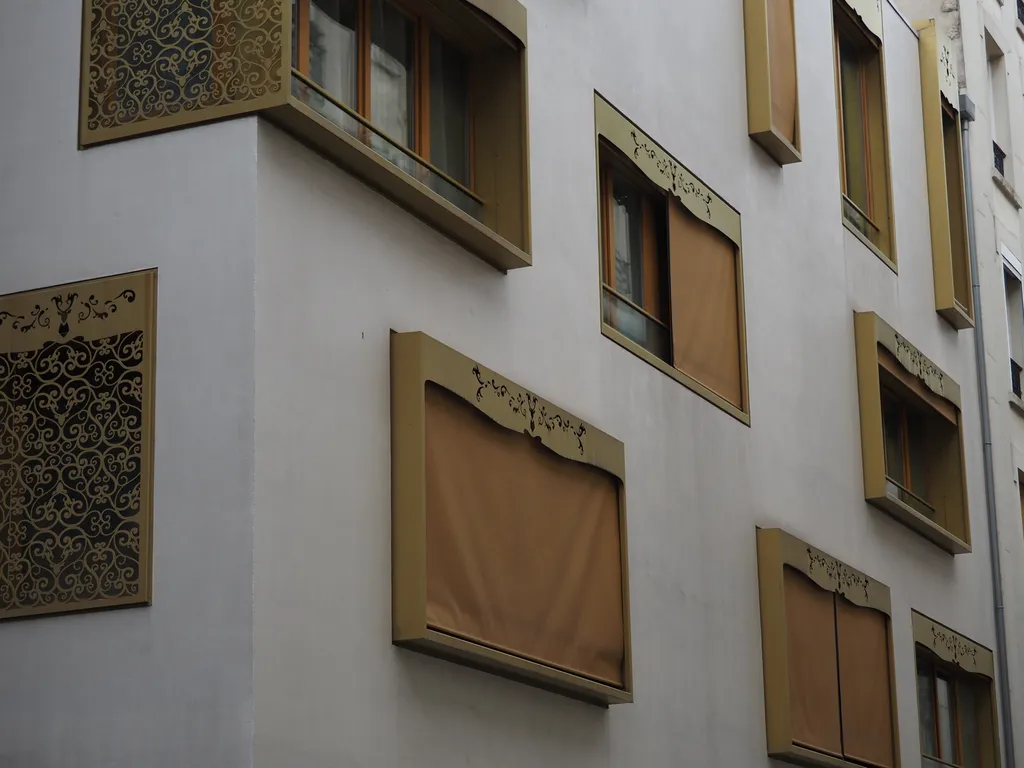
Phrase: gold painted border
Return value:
(952, 647)
(139, 317)
(726, 216)
(416, 359)
(760, 124)
(870, 14)
(938, 82)
(870, 331)
(775, 550)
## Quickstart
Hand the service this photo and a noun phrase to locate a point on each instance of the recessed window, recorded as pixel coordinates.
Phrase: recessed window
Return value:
(911, 436)
(671, 265)
(864, 155)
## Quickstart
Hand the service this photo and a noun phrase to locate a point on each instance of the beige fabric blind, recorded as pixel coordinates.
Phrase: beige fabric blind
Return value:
(522, 545)
(864, 682)
(705, 305)
(782, 63)
(813, 675)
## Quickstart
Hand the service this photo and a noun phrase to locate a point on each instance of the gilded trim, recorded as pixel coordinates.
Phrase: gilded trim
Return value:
(870, 14)
(760, 123)
(664, 171)
(416, 359)
(776, 550)
(952, 647)
(915, 361)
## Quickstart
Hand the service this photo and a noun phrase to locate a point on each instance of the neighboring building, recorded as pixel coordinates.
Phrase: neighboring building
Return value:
(374, 359)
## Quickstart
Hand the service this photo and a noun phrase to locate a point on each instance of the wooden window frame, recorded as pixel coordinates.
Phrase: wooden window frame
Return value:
(849, 23)
(417, 359)
(950, 251)
(777, 550)
(944, 652)
(619, 140)
(887, 359)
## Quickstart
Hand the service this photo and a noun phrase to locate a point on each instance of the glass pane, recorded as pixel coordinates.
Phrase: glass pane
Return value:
(332, 48)
(449, 110)
(851, 86)
(926, 712)
(969, 740)
(392, 75)
(627, 238)
(947, 720)
(892, 426)
(917, 442)
(636, 326)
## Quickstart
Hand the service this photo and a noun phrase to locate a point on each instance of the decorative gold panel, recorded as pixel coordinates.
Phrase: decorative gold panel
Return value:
(952, 647)
(148, 65)
(76, 401)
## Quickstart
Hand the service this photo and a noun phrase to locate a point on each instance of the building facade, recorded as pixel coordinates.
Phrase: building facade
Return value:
(498, 382)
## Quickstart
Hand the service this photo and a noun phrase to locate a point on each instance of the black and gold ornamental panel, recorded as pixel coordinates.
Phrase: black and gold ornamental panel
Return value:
(76, 431)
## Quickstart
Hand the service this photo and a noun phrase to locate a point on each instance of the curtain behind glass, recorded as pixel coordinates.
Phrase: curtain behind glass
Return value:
(332, 48)
(449, 110)
(392, 77)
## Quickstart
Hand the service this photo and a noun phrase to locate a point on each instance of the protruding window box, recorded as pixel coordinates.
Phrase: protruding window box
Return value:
(773, 101)
(826, 637)
(508, 528)
(951, 264)
(911, 436)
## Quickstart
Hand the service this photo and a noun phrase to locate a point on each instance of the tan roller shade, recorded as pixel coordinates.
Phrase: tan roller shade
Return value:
(864, 682)
(705, 306)
(813, 675)
(522, 545)
(782, 63)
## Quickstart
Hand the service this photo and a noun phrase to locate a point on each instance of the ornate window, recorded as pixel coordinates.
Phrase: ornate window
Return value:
(424, 100)
(863, 129)
(950, 259)
(911, 436)
(773, 102)
(955, 699)
(76, 430)
(671, 266)
(508, 528)
(827, 652)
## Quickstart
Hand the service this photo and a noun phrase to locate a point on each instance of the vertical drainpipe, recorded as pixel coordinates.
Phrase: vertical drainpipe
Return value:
(1002, 673)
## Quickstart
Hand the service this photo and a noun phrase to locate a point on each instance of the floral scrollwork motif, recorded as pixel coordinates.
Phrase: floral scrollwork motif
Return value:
(71, 441)
(845, 578)
(673, 173)
(528, 406)
(957, 648)
(156, 58)
(64, 305)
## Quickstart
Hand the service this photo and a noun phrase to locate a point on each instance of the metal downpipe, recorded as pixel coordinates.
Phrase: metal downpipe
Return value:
(1002, 673)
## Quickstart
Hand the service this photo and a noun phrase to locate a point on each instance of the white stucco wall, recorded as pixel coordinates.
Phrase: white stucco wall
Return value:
(338, 267)
(165, 686)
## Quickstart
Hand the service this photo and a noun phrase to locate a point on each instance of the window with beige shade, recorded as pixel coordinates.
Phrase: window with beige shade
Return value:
(827, 655)
(911, 436)
(863, 124)
(955, 698)
(76, 446)
(671, 265)
(944, 157)
(508, 528)
(773, 102)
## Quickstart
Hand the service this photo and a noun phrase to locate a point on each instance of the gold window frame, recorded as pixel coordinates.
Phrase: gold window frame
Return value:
(250, 73)
(865, 16)
(969, 658)
(939, 85)
(91, 311)
(777, 549)
(657, 165)
(872, 333)
(760, 115)
(415, 360)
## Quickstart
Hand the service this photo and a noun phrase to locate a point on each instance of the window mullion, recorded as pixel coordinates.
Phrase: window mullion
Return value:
(302, 24)
(866, 128)
(363, 58)
(422, 79)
